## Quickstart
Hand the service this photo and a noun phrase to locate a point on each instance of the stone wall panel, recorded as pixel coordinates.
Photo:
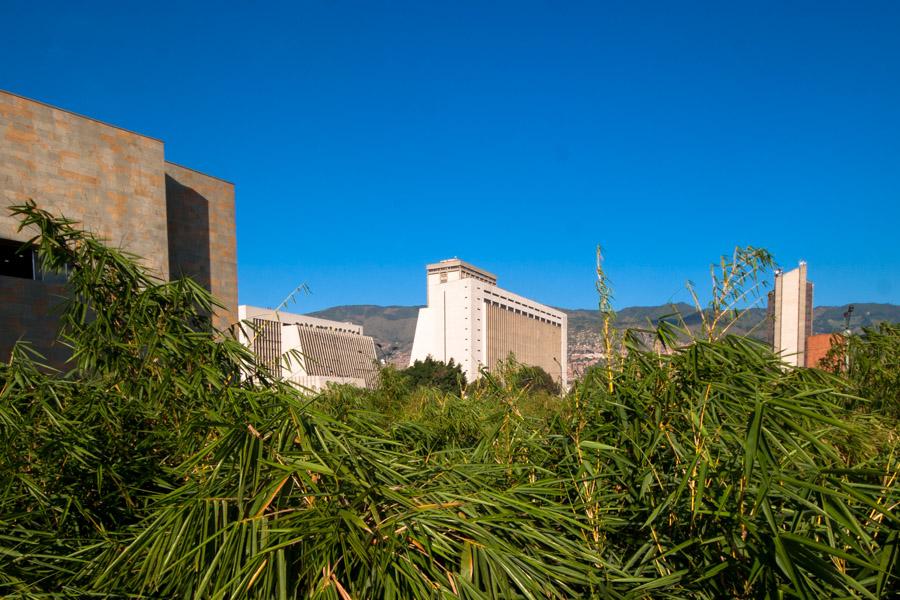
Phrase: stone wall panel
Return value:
(117, 185)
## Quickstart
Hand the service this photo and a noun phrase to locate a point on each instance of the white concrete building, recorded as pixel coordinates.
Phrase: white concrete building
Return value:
(309, 351)
(790, 313)
(477, 324)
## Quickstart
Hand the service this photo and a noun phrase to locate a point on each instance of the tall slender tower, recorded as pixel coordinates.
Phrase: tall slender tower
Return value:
(790, 314)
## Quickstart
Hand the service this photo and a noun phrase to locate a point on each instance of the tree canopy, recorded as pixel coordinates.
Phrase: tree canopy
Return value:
(445, 376)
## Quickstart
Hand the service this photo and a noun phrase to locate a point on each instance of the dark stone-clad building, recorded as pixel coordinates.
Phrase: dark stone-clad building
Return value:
(118, 185)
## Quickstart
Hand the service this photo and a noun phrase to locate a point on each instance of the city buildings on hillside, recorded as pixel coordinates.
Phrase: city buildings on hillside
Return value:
(116, 184)
(790, 314)
(309, 351)
(477, 324)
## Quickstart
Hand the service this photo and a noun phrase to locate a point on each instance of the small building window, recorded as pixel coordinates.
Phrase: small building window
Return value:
(21, 261)
(16, 260)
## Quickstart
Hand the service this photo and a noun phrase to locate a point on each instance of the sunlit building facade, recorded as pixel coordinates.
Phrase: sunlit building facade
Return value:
(308, 351)
(790, 315)
(118, 185)
(477, 324)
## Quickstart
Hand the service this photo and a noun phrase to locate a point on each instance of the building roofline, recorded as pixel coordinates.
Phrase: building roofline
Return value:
(503, 293)
(449, 262)
(289, 318)
(534, 304)
(80, 116)
(180, 166)
(99, 122)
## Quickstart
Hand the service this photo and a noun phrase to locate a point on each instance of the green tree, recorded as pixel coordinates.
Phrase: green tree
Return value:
(871, 363)
(510, 374)
(534, 379)
(445, 376)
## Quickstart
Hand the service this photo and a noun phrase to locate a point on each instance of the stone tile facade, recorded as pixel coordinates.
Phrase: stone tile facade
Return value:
(200, 214)
(27, 311)
(116, 184)
(108, 179)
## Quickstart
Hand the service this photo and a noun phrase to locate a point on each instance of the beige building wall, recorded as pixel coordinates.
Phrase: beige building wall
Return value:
(532, 340)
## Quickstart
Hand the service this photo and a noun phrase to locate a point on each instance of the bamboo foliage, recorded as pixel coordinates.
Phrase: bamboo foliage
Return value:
(165, 463)
(736, 288)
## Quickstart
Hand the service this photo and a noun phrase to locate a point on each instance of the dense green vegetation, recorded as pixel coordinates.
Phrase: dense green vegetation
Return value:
(447, 377)
(166, 463)
(871, 362)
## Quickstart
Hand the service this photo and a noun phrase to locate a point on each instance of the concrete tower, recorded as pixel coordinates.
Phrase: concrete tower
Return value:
(790, 313)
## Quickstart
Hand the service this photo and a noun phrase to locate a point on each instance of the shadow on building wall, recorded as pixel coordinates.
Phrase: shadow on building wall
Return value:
(187, 213)
(29, 312)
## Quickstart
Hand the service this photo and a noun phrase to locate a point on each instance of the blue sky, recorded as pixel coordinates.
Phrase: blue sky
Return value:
(369, 138)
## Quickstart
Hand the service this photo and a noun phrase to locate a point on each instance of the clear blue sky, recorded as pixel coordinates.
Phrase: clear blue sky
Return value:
(369, 138)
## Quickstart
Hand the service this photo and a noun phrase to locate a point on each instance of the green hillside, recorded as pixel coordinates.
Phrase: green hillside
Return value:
(828, 319)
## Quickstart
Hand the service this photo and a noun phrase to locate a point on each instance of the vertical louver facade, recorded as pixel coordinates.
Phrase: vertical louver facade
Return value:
(310, 352)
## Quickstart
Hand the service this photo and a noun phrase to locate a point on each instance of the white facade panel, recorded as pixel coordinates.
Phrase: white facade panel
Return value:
(792, 314)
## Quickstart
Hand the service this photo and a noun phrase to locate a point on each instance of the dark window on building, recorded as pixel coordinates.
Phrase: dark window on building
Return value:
(16, 260)
(19, 260)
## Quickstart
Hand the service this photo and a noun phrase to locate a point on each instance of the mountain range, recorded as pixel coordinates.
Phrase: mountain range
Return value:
(394, 327)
